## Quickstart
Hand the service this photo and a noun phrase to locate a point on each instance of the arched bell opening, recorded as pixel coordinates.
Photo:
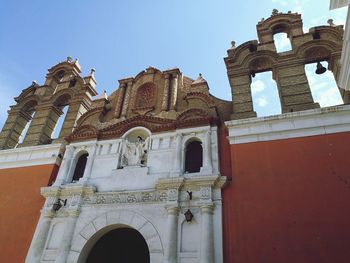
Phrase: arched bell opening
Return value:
(323, 86)
(29, 111)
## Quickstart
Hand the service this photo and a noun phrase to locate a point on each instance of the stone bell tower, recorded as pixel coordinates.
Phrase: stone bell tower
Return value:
(321, 43)
(64, 86)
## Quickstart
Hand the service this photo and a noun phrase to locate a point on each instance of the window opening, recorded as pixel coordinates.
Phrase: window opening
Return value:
(193, 157)
(80, 167)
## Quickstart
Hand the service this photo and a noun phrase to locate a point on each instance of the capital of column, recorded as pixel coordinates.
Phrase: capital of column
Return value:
(25, 115)
(73, 212)
(47, 213)
(122, 85)
(166, 75)
(207, 208)
(173, 210)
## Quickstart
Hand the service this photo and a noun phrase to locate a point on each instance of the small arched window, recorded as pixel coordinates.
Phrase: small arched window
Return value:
(60, 75)
(80, 167)
(193, 157)
(282, 42)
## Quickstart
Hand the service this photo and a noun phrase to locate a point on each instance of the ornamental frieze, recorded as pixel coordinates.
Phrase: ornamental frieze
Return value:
(126, 198)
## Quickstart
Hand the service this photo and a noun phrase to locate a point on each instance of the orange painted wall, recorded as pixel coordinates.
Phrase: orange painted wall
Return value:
(20, 204)
(289, 201)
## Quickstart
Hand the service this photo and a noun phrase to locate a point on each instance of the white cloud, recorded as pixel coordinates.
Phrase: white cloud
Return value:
(257, 86)
(281, 2)
(282, 42)
(319, 86)
(262, 101)
(328, 97)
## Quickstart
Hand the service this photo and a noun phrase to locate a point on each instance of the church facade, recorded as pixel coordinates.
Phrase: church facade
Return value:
(162, 171)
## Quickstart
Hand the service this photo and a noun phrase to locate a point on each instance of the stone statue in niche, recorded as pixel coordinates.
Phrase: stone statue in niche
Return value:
(135, 153)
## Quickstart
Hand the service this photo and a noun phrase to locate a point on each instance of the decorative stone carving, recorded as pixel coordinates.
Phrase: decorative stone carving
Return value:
(123, 198)
(173, 194)
(205, 193)
(135, 153)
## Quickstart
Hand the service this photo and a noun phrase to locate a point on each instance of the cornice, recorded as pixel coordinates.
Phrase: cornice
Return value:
(313, 122)
(30, 156)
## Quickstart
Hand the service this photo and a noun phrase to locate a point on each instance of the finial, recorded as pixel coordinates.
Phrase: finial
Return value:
(274, 12)
(92, 72)
(330, 22)
(69, 59)
(200, 74)
(289, 12)
(233, 44)
(34, 83)
(262, 19)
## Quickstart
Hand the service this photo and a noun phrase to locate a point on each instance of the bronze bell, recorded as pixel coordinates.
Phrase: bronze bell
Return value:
(320, 69)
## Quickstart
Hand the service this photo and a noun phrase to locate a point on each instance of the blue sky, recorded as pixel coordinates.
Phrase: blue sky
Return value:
(121, 38)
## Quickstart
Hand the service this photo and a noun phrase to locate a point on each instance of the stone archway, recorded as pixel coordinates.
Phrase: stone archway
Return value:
(122, 244)
(87, 237)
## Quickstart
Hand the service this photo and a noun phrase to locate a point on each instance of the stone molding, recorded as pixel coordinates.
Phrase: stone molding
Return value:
(30, 156)
(290, 125)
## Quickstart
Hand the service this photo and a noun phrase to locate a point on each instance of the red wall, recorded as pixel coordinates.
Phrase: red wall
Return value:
(289, 201)
(20, 204)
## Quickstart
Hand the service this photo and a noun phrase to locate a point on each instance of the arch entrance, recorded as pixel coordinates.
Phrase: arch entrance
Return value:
(120, 245)
(98, 229)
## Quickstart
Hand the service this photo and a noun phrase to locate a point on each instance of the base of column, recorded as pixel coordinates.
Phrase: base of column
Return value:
(300, 107)
(243, 115)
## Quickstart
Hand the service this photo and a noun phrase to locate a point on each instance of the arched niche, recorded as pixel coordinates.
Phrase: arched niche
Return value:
(135, 147)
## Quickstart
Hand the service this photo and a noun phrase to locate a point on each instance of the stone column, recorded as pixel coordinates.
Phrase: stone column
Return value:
(126, 99)
(344, 77)
(207, 162)
(170, 253)
(39, 239)
(177, 162)
(66, 241)
(63, 172)
(207, 237)
(118, 108)
(173, 99)
(293, 87)
(165, 102)
(242, 102)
